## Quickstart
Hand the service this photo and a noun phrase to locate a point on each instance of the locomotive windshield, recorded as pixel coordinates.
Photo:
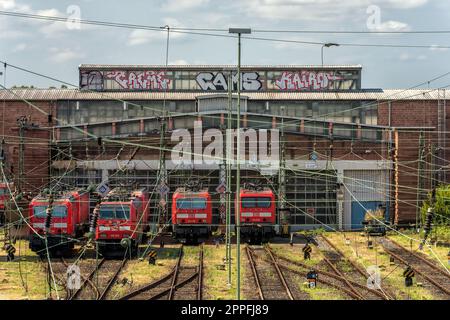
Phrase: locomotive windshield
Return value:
(58, 211)
(256, 202)
(191, 203)
(114, 212)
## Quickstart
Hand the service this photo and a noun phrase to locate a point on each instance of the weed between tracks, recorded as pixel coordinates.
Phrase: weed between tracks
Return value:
(437, 250)
(139, 273)
(215, 280)
(391, 276)
(295, 253)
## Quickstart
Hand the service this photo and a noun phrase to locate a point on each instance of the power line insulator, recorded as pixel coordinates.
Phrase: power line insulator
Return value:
(49, 211)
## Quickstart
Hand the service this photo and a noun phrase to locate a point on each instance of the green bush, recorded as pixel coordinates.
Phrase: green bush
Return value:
(442, 206)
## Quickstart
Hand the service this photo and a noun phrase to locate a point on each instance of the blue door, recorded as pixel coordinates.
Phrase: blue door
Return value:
(359, 211)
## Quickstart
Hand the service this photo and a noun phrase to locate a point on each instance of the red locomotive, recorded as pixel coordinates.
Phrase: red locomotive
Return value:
(257, 214)
(122, 220)
(69, 220)
(191, 214)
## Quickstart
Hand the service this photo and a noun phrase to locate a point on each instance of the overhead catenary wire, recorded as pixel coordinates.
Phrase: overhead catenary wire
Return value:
(203, 33)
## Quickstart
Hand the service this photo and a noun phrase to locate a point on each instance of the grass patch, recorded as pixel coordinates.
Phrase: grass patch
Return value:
(139, 273)
(436, 253)
(24, 278)
(215, 280)
(391, 276)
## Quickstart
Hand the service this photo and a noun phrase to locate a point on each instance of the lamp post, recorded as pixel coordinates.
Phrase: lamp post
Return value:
(328, 44)
(239, 32)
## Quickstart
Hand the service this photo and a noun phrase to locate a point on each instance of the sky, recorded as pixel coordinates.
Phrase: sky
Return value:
(57, 48)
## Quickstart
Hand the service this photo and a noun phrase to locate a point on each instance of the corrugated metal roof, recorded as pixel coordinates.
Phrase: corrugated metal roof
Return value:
(75, 94)
(214, 67)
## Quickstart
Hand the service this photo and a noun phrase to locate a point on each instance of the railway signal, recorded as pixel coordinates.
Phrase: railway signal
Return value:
(10, 250)
(408, 274)
(307, 251)
(152, 257)
(312, 277)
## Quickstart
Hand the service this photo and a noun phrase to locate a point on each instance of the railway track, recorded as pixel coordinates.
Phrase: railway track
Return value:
(58, 267)
(435, 279)
(183, 282)
(348, 270)
(269, 279)
(329, 279)
(99, 280)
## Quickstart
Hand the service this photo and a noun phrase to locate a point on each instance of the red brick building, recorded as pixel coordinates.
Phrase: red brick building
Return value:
(346, 149)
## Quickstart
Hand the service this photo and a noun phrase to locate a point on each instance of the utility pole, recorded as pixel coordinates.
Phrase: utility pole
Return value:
(396, 177)
(22, 123)
(228, 188)
(163, 188)
(239, 32)
(282, 219)
(420, 179)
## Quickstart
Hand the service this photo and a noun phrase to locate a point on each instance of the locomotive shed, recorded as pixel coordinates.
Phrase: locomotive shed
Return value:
(342, 149)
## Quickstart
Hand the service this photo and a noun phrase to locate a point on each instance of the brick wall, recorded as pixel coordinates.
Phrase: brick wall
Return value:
(36, 150)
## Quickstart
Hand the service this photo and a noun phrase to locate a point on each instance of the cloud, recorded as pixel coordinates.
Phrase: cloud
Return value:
(178, 62)
(392, 26)
(435, 48)
(182, 5)
(20, 47)
(406, 4)
(139, 36)
(320, 10)
(63, 55)
(407, 57)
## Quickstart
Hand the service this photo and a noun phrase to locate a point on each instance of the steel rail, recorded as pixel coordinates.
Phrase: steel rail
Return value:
(328, 283)
(200, 275)
(423, 259)
(254, 272)
(105, 291)
(280, 274)
(428, 278)
(175, 287)
(358, 268)
(329, 274)
(175, 274)
(88, 280)
(148, 286)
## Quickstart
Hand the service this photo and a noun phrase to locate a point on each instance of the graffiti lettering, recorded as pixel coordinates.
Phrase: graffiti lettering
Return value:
(91, 80)
(140, 79)
(306, 80)
(218, 81)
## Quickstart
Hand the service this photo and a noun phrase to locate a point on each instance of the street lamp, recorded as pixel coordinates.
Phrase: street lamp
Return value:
(238, 31)
(328, 44)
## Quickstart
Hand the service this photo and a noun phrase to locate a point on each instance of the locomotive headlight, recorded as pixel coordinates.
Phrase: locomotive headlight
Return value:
(124, 228)
(104, 228)
(246, 214)
(265, 214)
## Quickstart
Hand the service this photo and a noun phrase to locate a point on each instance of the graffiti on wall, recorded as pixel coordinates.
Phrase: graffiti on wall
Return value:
(306, 80)
(92, 80)
(218, 81)
(156, 80)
